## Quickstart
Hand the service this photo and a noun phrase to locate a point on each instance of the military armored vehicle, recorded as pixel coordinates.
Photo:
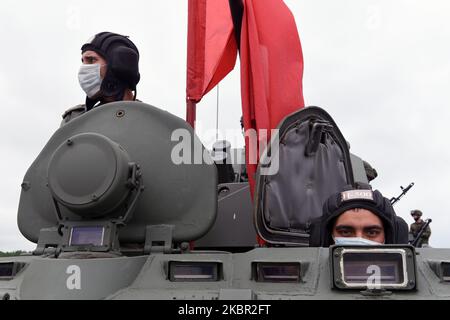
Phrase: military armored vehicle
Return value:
(124, 202)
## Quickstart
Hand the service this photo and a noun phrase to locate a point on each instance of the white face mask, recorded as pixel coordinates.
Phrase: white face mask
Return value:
(357, 241)
(90, 79)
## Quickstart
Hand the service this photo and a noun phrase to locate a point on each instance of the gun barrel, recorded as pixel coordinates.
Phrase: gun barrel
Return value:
(409, 187)
(393, 200)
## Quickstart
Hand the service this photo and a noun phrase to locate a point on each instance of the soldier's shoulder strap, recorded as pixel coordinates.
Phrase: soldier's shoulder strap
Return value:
(73, 112)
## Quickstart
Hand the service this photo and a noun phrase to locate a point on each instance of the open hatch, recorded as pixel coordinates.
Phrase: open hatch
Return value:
(313, 163)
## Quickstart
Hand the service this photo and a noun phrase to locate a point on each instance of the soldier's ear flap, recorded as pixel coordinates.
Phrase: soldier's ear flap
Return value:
(125, 65)
(401, 231)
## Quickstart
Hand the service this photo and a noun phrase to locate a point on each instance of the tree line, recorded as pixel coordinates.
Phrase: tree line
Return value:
(12, 253)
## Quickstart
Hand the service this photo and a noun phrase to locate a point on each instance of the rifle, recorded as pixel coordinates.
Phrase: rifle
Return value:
(415, 242)
(393, 200)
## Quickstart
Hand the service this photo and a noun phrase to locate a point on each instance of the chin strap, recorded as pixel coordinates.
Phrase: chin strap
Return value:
(90, 103)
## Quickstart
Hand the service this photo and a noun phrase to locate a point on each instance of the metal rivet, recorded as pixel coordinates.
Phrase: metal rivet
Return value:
(184, 246)
(224, 190)
(94, 197)
(120, 113)
(25, 185)
(69, 142)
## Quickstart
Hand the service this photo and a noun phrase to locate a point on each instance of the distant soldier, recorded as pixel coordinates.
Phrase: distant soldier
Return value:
(416, 226)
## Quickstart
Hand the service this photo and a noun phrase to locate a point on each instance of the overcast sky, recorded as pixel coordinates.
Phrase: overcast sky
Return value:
(380, 68)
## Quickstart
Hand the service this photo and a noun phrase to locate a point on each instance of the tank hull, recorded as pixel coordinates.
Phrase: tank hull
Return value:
(146, 277)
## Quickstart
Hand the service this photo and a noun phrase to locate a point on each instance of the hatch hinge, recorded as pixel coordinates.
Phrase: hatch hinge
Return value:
(158, 239)
(49, 241)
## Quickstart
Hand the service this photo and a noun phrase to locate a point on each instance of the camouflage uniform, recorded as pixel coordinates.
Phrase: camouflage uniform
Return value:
(72, 113)
(414, 230)
(77, 111)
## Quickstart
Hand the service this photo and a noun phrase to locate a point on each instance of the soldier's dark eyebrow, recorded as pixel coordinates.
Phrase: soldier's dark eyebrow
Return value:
(343, 227)
(372, 228)
(89, 58)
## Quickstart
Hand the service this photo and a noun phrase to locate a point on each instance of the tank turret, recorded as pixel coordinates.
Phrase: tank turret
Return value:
(108, 179)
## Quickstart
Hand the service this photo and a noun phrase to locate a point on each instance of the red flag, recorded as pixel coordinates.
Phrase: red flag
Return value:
(271, 69)
(211, 46)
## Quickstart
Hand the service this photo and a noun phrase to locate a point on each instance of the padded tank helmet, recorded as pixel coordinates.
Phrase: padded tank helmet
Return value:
(122, 58)
(396, 229)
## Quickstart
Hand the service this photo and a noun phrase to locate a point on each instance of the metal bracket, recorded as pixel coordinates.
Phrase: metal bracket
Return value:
(138, 188)
(48, 237)
(158, 239)
(376, 292)
(315, 137)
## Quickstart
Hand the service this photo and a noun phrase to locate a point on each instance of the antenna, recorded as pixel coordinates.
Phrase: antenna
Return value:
(217, 114)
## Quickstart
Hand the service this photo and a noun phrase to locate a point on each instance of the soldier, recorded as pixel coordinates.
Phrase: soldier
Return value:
(416, 226)
(109, 72)
(358, 216)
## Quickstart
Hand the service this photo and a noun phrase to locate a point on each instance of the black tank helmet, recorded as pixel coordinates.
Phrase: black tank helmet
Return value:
(416, 213)
(122, 57)
(395, 228)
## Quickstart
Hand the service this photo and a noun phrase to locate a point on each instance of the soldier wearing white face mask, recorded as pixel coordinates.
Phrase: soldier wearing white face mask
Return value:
(358, 217)
(109, 72)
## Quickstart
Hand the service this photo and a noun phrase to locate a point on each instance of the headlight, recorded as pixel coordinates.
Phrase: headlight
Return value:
(88, 235)
(96, 236)
(373, 267)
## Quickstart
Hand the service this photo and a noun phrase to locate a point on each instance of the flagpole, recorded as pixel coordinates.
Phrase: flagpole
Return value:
(217, 113)
(190, 112)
